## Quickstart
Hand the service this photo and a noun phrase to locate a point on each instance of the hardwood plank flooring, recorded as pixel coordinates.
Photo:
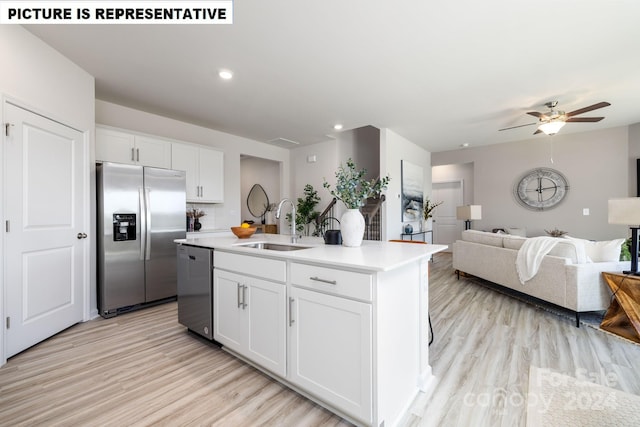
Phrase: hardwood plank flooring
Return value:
(486, 341)
(143, 368)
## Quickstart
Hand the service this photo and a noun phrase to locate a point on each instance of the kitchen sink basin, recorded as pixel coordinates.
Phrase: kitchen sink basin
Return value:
(273, 246)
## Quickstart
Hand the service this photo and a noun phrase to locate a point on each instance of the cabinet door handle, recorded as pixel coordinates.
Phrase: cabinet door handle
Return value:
(244, 297)
(133, 159)
(137, 154)
(317, 279)
(291, 320)
(239, 294)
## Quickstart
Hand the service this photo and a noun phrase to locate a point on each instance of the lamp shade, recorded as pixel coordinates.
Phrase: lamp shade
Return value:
(469, 212)
(624, 211)
(552, 127)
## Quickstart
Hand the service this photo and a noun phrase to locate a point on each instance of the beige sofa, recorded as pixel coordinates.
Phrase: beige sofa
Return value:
(567, 277)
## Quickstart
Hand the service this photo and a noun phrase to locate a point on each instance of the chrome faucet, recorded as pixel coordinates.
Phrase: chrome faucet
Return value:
(294, 237)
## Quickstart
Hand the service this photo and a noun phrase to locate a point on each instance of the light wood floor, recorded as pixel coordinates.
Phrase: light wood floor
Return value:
(143, 368)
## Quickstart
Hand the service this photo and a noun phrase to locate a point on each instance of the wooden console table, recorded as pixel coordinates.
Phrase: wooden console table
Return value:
(623, 316)
(267, 228)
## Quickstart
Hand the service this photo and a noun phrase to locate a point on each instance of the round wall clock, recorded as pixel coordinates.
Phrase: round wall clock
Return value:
(541, 188)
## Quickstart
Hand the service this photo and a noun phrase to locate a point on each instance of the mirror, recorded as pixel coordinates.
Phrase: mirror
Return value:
(257, 201)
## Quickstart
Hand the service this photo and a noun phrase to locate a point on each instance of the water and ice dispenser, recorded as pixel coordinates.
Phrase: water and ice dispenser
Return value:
(124, 227)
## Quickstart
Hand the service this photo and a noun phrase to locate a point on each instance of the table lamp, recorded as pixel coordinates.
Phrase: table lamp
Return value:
(627, 211)
(468, 213)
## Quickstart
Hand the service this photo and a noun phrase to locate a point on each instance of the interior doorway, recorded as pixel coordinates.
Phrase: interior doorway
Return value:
(446, 227)
(266, 173)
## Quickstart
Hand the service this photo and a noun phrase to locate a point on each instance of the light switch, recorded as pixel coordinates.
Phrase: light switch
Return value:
(585, 211)
(311, 158)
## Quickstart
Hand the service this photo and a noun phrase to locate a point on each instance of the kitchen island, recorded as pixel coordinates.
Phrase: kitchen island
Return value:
(345, 327)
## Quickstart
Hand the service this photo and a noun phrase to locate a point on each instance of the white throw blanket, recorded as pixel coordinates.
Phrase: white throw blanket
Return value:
(530, 256)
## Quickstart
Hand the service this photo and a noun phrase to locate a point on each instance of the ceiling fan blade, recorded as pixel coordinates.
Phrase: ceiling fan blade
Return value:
(589, 108)
(515, 127)
(537, 132)
(534, 114)
(584, 119)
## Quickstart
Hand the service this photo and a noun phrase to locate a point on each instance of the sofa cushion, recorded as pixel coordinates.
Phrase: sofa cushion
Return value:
(482, 237)
(570, 248)
(604, 251)
(513, 242)
(516, 231)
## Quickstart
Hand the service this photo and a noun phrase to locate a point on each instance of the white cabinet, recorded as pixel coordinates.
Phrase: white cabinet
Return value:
(330, 349)
(122, 147)
(353, 340)
(250, 317)
(204, 168)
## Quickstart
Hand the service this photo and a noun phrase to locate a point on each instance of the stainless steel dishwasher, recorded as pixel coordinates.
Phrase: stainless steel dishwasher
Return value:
(195, 289)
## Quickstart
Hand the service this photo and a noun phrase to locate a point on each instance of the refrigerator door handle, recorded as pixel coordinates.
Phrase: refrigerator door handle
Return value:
(142, 222)
(147, 213)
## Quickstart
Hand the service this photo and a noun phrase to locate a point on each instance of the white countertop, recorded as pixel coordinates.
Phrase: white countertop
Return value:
(371, 256)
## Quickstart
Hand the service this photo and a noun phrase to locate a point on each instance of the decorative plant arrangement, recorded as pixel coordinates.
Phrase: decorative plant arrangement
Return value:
(305, 213)
(427, 208)
(353, 190)
(193, 219)
(555, 232)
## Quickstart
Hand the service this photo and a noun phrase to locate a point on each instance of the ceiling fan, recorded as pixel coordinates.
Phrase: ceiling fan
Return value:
(553, 120)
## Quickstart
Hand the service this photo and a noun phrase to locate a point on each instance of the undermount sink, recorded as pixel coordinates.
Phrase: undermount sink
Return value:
(273, 246)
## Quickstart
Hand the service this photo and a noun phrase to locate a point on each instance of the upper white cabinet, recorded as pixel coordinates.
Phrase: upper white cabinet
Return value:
(122, 147)
(205, 172)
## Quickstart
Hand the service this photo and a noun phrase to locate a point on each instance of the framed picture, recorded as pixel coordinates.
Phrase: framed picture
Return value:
(412, 191)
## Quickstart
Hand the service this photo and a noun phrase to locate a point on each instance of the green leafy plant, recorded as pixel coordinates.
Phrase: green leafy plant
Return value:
(625, 250)
(427, 208)
(305, 213)
(352, 188)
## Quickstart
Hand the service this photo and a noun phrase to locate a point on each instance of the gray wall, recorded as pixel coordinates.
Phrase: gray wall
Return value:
(597, 165)
(254, 170)
(361, 144)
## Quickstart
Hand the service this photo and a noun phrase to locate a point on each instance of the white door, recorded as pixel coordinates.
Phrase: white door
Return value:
(331, 350)
(114, 146)
(45, 234)
(185, 158)
(153, 152)
(211, 169)
(227, 308)
(266, 313)
(446, 227)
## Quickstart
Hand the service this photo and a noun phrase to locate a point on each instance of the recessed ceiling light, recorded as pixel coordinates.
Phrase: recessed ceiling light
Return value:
(337, 126)
(225, 74)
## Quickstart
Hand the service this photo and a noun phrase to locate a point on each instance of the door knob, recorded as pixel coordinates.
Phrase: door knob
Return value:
(81, 236)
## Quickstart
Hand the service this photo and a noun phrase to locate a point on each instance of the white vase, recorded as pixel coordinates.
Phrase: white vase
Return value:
(352, 227)
(428, 224)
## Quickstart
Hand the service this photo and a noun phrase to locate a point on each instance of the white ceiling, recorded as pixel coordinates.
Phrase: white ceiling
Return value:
(439, 73)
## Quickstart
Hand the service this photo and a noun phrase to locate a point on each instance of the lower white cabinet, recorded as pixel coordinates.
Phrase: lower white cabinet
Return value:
(250, 318)
(330, 350)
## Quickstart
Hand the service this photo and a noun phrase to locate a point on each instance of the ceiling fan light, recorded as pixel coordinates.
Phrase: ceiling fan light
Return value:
(551, 128)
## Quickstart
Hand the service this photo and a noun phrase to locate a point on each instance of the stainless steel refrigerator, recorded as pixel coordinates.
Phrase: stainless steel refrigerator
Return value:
(141, 210)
